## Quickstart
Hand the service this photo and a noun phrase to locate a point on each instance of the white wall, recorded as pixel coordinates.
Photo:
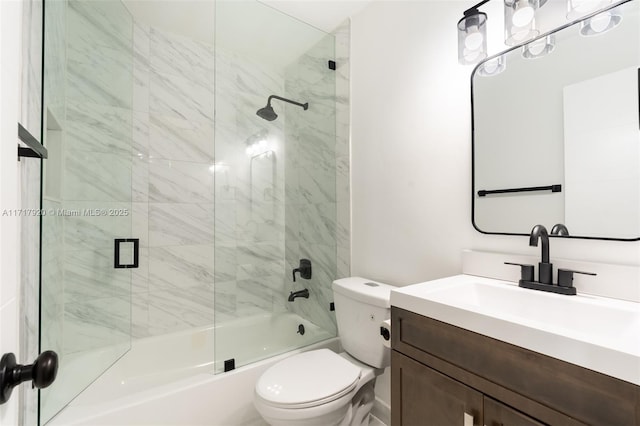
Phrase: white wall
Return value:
(411, 142)
(411, 152)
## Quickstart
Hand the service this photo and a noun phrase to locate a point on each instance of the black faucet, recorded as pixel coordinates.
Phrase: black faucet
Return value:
(545, 269)
(559, 229)
(301, 293)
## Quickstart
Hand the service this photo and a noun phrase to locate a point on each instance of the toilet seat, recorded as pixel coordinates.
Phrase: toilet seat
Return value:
(308, 379)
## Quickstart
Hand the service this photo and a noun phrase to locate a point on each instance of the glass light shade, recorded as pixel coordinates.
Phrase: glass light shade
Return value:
(579, 8)
(601, 23)
(493, 66)
(539, 48)
(472, 38)
(520, 21)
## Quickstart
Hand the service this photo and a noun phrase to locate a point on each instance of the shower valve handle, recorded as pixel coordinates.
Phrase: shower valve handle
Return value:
(304, 269)
(42, 372)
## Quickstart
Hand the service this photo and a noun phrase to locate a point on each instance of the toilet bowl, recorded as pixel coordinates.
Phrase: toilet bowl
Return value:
(316, 388)
(321, 387)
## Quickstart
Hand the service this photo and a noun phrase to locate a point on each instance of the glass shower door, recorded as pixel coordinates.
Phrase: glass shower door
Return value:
(275, 182)
(88, 249)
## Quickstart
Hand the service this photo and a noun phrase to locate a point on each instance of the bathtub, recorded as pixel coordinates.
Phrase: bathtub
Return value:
(169, 380)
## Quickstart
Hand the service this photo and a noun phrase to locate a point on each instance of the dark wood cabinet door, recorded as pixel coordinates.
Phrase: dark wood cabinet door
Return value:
(423, 397)
(498, 414)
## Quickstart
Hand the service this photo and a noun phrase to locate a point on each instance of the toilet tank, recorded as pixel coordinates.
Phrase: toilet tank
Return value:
(361, 305)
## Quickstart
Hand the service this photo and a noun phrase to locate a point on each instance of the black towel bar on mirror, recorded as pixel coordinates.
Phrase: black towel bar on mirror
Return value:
(552, 188)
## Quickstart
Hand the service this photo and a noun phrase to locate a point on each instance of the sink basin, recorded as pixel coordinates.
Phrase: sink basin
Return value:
(594, 332)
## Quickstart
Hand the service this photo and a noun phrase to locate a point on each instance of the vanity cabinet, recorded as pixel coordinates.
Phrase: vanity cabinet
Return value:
(428, 397)
(445, 375)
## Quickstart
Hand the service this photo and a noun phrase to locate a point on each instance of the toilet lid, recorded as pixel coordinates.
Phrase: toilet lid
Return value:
(317, 376)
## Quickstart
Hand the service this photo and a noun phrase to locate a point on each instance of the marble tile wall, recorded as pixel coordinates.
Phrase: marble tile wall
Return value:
(96, 172)
(249, 189)
(184, 187)
(343, 148)
(182, 179)
(173, 182)
(86, 303)
(312, 187)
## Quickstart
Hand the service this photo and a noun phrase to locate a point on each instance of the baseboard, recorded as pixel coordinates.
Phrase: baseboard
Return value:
(382, 411)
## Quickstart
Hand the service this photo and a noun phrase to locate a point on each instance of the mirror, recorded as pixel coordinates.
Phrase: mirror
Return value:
(556, 139)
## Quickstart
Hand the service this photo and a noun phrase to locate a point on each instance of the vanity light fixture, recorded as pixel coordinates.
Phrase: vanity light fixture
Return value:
(520, 26)
(600, 23)
(520, 20)
(579, 8)
(539, 48)
(472, 36)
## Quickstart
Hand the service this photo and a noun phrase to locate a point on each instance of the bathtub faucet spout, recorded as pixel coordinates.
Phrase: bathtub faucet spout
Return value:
(301, 293)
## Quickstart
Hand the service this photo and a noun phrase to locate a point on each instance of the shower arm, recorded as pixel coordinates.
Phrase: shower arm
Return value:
(304, 106)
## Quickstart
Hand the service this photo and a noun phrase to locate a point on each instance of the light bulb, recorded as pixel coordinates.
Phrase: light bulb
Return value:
(474, 40)
(578, 8)
(522, 16)
(600, 22)
(537, 47)
(491, 66)
(473, 55)
(585, 5)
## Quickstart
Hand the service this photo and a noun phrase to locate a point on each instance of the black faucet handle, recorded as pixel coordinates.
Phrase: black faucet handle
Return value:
(560, 230)
(565, 276)
(304, 269)
(526, 271)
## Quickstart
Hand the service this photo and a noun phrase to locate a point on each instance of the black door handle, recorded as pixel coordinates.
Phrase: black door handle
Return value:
(42, 372)
(136, 253)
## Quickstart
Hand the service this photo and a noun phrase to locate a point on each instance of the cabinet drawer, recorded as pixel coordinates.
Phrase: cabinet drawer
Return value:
(580, 393)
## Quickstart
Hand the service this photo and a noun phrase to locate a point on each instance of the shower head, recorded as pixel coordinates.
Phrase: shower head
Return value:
(269, 114)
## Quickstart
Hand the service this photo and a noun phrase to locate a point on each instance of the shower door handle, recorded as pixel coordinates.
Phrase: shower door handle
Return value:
(136, 253)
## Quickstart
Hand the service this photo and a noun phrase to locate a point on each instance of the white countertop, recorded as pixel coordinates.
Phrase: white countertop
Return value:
(594, 332)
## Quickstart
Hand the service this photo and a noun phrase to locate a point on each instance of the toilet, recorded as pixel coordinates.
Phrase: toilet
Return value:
(324, 388)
